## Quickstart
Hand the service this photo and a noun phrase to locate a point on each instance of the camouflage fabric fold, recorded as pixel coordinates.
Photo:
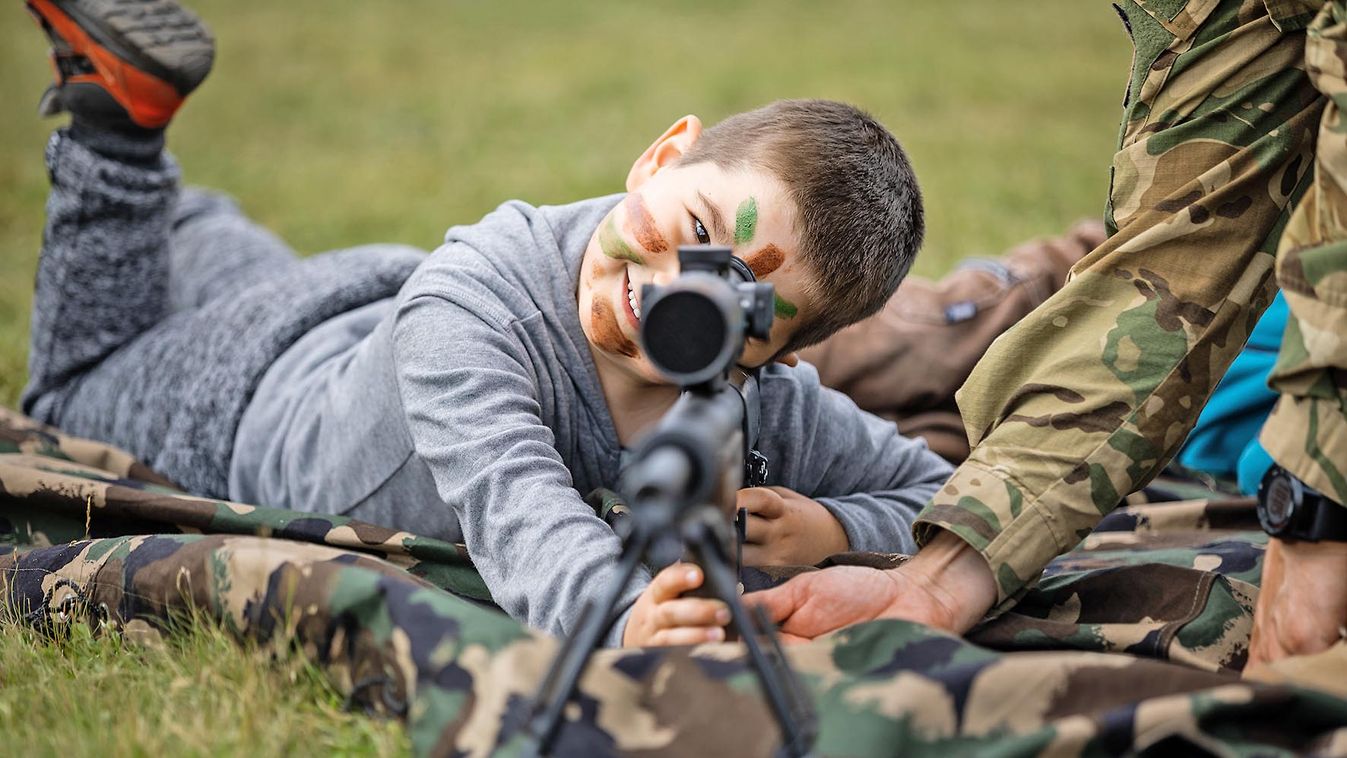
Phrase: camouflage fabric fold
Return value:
(1169, 587)
(461, 674)
(55, 488)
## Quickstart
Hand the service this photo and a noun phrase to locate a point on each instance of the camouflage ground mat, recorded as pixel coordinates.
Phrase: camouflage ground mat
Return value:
(1131, 643)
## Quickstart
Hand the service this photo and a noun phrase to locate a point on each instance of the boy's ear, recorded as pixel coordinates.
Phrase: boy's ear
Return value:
(665, 151)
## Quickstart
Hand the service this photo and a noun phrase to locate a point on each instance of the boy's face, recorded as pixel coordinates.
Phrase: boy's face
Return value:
(668, 205)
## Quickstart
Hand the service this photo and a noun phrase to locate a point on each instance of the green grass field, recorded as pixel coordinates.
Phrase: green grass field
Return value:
(338, 122)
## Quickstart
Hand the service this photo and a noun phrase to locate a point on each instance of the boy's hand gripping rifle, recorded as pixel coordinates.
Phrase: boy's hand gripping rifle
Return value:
(684, 477)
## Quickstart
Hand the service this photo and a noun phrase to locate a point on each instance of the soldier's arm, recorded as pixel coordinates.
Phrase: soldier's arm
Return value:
(946, 585)
(1302, 606)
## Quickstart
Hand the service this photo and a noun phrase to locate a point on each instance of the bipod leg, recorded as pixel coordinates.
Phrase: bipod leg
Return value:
(569, 663)
(785, 695)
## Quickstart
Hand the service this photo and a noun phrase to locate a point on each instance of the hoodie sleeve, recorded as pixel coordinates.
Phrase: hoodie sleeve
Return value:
(471, 406)
(871, 478)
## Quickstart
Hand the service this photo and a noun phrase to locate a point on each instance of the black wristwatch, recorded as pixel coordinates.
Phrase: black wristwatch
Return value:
(1290, 509)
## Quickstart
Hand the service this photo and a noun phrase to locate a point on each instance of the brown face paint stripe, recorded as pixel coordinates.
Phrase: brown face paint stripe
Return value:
(612, 244)
(765, 261)
(785, 308)
(607, 335)
(643, 226)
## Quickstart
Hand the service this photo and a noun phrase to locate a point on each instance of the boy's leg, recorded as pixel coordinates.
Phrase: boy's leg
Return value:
(111, 359)
(121, 70)
(102, 275)
(111, 362)
(100, 346)
(215, 250)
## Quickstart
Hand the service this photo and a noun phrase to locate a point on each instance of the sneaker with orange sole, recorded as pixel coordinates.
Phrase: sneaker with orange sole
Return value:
(122, 63)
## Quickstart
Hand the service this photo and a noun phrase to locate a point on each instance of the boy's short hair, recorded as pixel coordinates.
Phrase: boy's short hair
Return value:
(859, 209)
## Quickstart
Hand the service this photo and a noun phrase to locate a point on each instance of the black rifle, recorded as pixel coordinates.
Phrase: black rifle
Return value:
(682, 482)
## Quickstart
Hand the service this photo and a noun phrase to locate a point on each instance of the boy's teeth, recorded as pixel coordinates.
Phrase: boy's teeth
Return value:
(631, 300)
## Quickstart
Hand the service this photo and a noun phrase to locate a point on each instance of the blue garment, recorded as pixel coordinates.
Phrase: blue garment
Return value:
(1225, 441)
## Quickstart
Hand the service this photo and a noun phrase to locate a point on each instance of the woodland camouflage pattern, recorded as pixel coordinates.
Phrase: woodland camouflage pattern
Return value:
(1130, 643)
(1087, 399)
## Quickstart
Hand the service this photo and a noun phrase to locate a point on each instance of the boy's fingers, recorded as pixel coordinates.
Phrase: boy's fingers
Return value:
(674, 581)
(692, 611)
(757, 530)
(761, 501)
(687, 635)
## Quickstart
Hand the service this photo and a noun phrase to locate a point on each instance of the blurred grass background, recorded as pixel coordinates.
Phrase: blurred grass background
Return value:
(338, 122)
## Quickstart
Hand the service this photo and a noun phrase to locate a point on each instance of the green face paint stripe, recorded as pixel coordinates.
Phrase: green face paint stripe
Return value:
(614, 246)
(745, 221)
(784, 308)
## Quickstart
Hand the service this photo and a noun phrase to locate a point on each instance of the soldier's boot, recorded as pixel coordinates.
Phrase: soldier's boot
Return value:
(122, 64)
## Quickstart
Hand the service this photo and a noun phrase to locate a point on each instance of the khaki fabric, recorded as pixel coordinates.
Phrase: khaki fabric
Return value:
(1307, 432)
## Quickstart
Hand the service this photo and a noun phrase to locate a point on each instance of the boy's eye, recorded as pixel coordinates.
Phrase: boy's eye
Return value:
(699, 231)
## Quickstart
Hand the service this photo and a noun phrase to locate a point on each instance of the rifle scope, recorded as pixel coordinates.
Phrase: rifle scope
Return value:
(693, 329)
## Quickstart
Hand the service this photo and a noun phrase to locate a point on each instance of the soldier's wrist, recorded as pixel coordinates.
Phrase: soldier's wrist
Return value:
(957, 576)
(1313, 551)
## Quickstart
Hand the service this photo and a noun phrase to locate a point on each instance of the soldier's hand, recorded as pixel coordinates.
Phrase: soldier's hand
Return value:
(661, 617)
(947, 585)
(1302, 605)
(786, 528)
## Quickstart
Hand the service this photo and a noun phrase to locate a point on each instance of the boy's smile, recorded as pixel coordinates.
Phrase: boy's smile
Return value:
(637, 242)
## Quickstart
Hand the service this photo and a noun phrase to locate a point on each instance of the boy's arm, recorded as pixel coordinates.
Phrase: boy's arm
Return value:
(871, 479)
(471, 407)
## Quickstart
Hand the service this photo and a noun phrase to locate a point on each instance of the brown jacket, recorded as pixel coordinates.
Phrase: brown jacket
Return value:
(905, 362)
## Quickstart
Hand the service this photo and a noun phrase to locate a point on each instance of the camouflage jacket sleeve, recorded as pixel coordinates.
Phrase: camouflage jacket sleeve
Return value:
(1307, 432)
(1088, 397)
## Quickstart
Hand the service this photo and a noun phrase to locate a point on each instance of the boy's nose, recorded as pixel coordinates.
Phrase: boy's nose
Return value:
(662, 278)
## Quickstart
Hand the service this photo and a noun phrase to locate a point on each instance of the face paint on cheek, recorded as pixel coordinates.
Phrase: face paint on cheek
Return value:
(614, 246)
(765, 261)
(745, 221)
(608, 337)
(785, 308)
(643, 226)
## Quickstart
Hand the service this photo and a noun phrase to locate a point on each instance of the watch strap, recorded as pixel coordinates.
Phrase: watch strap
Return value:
(1322, 519)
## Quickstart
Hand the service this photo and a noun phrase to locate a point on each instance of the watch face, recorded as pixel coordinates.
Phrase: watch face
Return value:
(1278, 501)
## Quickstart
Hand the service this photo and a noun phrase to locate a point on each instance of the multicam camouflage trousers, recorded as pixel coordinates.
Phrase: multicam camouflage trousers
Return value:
(1088, 398)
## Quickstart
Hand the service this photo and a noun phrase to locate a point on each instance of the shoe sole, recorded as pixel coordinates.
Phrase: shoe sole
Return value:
(148, 54)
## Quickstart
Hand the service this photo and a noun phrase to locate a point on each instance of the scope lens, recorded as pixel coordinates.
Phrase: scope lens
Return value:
(684, 332)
